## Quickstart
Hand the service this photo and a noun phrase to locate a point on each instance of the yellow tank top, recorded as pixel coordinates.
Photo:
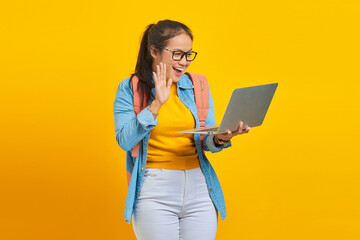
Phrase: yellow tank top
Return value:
(167, 148)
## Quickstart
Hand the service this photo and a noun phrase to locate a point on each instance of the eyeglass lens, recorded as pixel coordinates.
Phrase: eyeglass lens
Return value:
(178, 55)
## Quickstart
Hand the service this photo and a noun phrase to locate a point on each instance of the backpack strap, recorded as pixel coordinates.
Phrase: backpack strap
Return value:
(201, 91)
(137, 108)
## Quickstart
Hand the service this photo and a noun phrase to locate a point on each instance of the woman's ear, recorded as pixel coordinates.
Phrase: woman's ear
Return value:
(154, 51)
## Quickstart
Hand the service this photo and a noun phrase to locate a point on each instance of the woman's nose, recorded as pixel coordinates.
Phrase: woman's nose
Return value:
(183, 61)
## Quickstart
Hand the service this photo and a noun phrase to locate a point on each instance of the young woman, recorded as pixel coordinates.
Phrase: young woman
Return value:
(173, 192)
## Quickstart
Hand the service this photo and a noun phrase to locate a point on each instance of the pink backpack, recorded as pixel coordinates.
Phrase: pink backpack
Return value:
(201, 91)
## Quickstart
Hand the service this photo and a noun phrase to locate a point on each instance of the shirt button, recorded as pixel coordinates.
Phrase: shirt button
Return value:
(142, 168)
(145, 143)
(184, 99)
(210, 189)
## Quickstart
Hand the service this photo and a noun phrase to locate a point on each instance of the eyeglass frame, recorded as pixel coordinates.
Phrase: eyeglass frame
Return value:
(184, 53)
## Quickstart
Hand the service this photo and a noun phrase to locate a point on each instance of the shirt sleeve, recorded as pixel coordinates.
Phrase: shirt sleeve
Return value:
(209, 144)
(130, 129)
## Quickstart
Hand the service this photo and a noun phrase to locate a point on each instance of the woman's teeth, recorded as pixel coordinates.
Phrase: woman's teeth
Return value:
(178, 71)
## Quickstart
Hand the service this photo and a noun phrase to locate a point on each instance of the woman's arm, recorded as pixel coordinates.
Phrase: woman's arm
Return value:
(130, 129)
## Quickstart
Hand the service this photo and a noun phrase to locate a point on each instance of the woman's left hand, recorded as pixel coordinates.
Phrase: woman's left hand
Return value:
(228, 135)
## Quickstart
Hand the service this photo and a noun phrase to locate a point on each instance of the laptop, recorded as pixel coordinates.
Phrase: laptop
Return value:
(249, 104)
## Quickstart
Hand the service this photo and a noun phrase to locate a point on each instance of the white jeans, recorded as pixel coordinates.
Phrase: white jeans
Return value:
(173, 205)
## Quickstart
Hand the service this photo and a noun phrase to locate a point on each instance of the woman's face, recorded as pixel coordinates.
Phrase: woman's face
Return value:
(174, 69)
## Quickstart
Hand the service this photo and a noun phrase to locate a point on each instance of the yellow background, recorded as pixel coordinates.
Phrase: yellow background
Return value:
(62, 174)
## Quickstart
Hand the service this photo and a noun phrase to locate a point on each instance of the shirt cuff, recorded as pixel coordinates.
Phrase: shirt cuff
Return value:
(209, 141)
(146, 119)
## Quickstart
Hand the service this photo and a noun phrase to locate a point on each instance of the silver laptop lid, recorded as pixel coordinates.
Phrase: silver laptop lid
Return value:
(249, 104)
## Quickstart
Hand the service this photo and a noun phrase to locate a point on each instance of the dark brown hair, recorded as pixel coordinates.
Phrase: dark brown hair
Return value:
(155, 35)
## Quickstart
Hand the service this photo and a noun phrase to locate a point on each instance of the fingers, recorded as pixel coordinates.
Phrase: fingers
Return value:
(242, 129)
(247, 129)
(239, 130)
(241, 124)
(164, 73)
(162, 86)
(155, 78)
(169, 83)
(228, 135)
(160, 75)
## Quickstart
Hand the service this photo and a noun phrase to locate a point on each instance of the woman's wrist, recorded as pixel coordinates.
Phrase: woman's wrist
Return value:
(218, 142)
(154, 107)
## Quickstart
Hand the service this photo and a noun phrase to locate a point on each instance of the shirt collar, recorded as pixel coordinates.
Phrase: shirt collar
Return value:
(185, 82)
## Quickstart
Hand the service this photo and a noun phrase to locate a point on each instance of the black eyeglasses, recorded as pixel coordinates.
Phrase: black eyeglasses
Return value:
(178, 55)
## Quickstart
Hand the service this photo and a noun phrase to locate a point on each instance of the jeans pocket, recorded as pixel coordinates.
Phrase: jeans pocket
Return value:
(152, 172)
(149, 180)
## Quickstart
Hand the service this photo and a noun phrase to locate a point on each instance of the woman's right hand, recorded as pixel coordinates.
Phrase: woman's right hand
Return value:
(162, 87)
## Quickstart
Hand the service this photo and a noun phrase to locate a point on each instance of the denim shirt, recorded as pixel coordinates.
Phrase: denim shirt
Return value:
(131, 129)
